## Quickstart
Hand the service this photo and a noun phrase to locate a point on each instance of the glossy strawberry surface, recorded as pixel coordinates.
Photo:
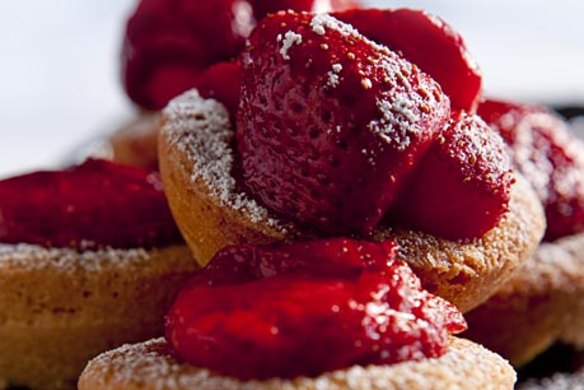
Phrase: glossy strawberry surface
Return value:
(222, 82)
(169, 43)
(330, 123)
(462, 187)
(307, 308)
(264, 7)
(97, 204)
(428, 42)
(549, 155)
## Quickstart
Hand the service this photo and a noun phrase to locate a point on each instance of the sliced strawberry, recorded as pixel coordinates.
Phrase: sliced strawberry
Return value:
(223, 83)
(428, 42)
(338, 257)
(305, 309)
(168, 44)
(462, 187)
(264, 7)
(552, 159)
(93, 205)
(330, 123)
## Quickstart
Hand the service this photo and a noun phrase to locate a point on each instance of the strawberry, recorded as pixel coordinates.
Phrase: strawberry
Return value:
(305, 309)
(462, 187)
(222, 82)
(549, 156)
(169, 43)
(264, 7)
(428, 42)
(96, 204)
(330, 124)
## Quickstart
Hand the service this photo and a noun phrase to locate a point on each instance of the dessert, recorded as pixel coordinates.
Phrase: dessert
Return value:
(359, 308)
(136, 142)
(543, 302)
(172, 47)
(151, 365)
(354, 107)
(169, 45)
(90, 258)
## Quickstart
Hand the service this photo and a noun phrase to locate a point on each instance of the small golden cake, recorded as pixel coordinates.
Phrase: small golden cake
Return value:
(135, 143)
(60, 308)
(542, 303)
(196, 162)
(151, 366)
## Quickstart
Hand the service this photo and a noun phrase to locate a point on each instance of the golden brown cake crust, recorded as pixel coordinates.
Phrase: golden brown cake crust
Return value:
(60, 308)
(196, 159)
(150, 366)
(541, 304)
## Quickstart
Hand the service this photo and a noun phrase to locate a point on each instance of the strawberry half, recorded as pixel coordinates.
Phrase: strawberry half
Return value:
(169, 43)
(330, 124)
(552, 159)
(462, 187)
(304, 309)
(93, 205)
(428, 42)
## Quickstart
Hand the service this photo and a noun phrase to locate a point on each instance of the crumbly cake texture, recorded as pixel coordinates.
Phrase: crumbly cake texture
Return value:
(150, 366)
(541, 304)
(59, 308)
(556, 382)
(196, 160)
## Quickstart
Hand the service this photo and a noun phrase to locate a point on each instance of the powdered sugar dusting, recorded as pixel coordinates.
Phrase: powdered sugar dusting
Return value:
(26, 256)
(399, 119)
(465, 365)
(202, 130)
(333, 75)
(290, 39)
(321, 22)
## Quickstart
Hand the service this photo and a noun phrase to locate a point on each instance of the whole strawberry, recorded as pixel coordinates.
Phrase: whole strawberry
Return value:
(552, 159)
(330, 123)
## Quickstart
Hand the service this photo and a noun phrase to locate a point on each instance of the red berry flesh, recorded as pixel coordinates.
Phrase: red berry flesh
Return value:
(330, 123)
(301, 311)
(97, 204)
(545, 151)
(428, 42)
(169, 43)
(264, 7)
(462, 187)
(222, 82)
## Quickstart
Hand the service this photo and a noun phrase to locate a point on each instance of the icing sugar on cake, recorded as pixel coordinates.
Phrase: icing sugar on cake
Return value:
(27, 256)
(150, 365)
(201, 128)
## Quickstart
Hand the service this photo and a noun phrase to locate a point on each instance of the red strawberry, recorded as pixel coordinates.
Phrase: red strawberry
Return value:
(428, 42)
(223, 83)
(307, 309)
(340, 257)
(169, 43)
(461, 188)
(330, 123)
(264, 7)
(552, 159)
(93, 205)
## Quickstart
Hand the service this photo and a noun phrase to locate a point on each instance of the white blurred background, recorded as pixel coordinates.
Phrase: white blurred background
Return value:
(59, 70)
